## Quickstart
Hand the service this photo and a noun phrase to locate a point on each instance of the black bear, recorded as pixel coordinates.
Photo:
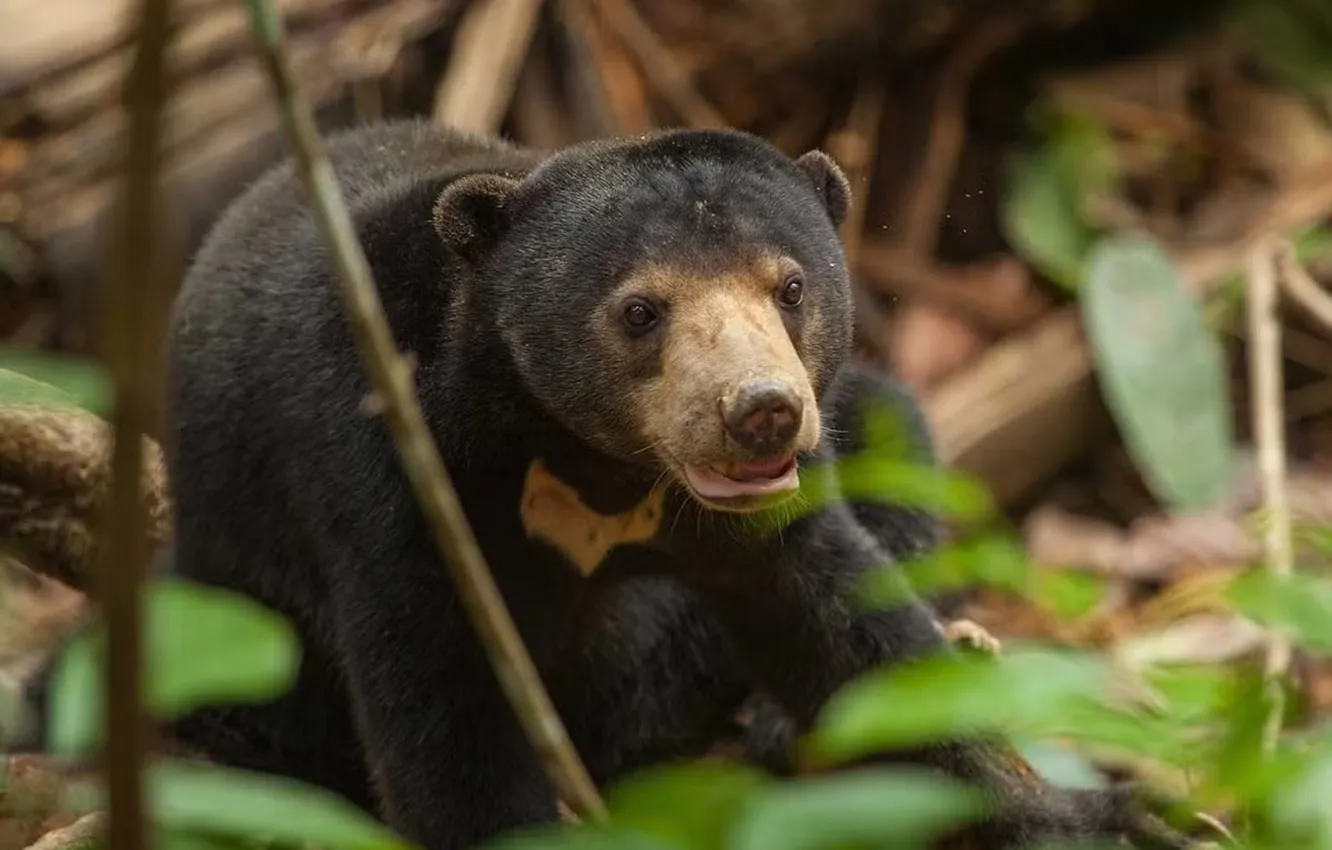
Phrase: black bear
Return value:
(627, 351)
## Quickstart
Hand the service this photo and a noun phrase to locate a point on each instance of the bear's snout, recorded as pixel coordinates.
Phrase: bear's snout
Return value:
(764, 417)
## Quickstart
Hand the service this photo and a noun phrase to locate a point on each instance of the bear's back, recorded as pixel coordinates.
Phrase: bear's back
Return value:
(264, 380)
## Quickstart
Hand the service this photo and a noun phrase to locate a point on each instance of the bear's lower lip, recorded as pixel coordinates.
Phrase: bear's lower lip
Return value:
(738, 480)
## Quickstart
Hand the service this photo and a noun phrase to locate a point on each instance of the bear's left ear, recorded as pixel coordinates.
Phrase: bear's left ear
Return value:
(470, 214)
(830, 184)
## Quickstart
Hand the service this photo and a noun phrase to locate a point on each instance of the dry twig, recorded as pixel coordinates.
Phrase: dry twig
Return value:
(658, 65)
(924, 204)
(492, 42)
(856, 147)
(1301, 286)
(392, 379)
(1265, 370)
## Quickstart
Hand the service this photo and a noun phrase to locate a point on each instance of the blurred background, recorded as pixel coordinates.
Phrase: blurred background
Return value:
(991, 147)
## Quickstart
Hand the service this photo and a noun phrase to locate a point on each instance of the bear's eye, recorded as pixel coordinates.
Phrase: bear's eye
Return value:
(792, 292)
(639, 316)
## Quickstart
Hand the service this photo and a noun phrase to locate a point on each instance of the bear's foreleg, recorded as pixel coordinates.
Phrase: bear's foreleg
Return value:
(789, 606)
(446, 754)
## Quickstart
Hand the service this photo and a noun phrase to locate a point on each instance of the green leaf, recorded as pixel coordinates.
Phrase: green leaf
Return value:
(1070, 595)
(52, 380)
(204, 645)
(1022, 691)
(1162, 372)
(223, 801)
(1041, 221)
(1175, 729)
(1042, 210)
(1289, 790)
(991, 560)
(1300, 604)
(951, 494)
(686, 805)
(874, 807)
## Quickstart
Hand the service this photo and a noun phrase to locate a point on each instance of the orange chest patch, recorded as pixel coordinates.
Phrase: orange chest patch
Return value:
(554, 512)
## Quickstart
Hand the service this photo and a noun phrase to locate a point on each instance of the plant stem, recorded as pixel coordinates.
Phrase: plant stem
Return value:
(391, 377)
(1265, 376)
(132, 306)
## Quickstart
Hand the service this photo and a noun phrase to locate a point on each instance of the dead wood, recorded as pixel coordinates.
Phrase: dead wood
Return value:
(54, 478)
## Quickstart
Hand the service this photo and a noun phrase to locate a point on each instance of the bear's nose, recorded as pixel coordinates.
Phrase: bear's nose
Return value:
(765, 417)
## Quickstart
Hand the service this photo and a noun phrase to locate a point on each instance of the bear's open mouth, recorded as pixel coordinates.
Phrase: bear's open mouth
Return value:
(734, 480)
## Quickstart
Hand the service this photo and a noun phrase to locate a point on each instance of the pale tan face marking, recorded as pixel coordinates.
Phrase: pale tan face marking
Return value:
(553, 511)
(724, 330)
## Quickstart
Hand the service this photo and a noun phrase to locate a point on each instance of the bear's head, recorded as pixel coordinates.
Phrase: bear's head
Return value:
(679, 300)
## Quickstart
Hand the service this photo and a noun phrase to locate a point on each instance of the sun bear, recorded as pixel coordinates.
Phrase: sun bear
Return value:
(629, 352)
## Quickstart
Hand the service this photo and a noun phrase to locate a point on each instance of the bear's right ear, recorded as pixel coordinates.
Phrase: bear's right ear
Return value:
(829, 182)
(470, 214)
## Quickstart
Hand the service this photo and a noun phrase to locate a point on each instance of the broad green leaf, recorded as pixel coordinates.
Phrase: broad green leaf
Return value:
(1042, 211)
(1296, 811)
(215, 800)
(687, 805)
(1041, 221)
(1300, 604)
(953, 495)
(866, 807)
(1022, 691)
(52, 380)
(1173, 729)
(1162, 372)
(991, 560)
(204, 645)
(870, 478)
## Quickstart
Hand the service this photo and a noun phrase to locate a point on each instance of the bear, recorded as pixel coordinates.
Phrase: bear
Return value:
(634, 355)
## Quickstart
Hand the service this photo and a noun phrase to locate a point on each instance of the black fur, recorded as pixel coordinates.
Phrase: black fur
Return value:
(288, 490)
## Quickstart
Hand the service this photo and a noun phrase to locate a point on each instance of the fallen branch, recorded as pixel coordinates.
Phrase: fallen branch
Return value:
(55, 480)
(392, 378)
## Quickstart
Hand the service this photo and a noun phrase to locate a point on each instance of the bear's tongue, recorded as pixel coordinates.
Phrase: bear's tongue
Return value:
(751, 478)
